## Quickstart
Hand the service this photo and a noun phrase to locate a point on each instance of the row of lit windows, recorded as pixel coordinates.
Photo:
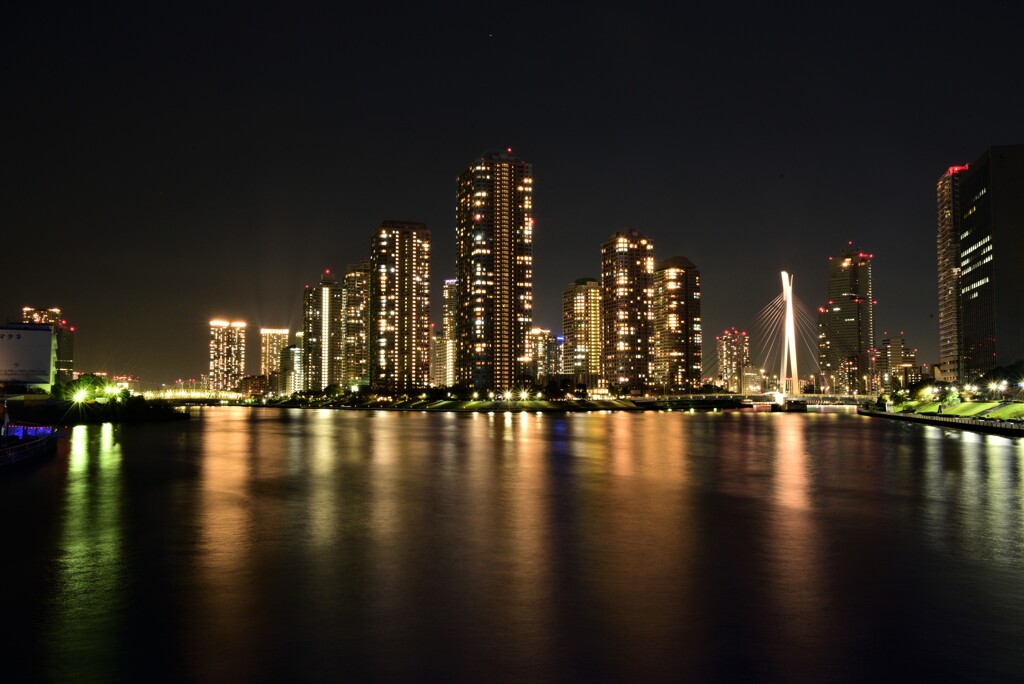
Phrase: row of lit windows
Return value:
(974, 286)
(980, 263)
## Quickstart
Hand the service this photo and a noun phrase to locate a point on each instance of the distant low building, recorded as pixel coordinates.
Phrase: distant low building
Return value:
(128, 382)
(254, 385)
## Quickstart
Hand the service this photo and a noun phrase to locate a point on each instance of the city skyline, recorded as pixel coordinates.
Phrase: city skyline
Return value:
(179, 170)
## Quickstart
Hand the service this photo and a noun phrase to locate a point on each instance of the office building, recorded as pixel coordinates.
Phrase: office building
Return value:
(322, 328)
(581, 332)
(355, 371)
(272, 341)
(846, 326)
(987, 236)
(399, 355)
(227, 354)
(734, 360)
(494, 270)
(897, 364)
(627, 293)
(677, 343)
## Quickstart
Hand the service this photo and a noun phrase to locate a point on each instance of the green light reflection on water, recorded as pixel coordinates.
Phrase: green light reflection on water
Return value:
(90, 567)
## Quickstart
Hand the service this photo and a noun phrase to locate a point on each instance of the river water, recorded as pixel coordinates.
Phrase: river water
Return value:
(291, 545)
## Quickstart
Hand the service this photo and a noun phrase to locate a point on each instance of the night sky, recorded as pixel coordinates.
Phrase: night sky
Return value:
(165, 166)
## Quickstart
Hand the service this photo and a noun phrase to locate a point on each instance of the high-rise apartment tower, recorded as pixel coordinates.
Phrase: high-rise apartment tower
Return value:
(272, 341)
(227, 354)
(494, 270)
(356, 324)
(581, 329)
(677, 344)
(733, 359)
(399, 355)
(947, 194)
(627, 293)
(322, 333)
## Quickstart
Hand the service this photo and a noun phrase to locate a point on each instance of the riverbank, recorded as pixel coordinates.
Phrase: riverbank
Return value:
(703, 403)
(987, 426)
(55, 412)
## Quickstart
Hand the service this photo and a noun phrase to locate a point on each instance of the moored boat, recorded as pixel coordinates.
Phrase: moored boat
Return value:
(23, 442)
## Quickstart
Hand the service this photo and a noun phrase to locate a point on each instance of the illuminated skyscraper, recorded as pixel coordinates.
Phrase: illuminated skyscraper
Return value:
(581, 329)
(355, 346)
(846, 340)
(272, 341)
(322, 328)
(947, 193)
(627, 293)
(678, 339)
(733, 359)
(227, 354)
(400, 307)
(494, 270)
(64, 335)
(989, 237)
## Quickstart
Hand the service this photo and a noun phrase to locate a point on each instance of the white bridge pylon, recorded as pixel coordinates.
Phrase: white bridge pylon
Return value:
(789, 343)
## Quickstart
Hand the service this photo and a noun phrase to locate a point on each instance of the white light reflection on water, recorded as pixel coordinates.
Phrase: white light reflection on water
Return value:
(265, 544)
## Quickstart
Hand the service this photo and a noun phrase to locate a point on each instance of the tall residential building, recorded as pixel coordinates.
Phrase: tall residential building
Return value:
(494, 270)
(227, 354)
(400, 307)
(449, 329)
(322, 328)
(581, 331)
(438, 358)
(63, 334)
(678, 338)
(289, 377)
(541, 357)
(355, 343)
(989, 237)
(272, 341)
(733, 359)
(627, 293)
(846, 339)
(947, 194)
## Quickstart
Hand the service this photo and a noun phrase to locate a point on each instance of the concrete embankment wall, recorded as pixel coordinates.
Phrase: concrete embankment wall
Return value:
(992, 427)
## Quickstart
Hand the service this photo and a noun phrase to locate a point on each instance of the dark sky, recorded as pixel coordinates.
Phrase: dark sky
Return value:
(163, 165)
